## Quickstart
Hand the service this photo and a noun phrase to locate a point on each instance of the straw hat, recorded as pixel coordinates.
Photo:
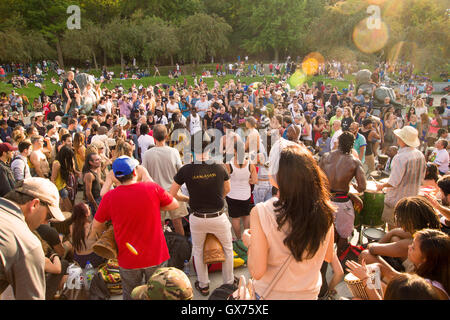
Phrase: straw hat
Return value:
(409, 135)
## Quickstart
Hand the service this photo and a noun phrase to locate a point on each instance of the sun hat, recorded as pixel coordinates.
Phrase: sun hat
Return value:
(409, 135)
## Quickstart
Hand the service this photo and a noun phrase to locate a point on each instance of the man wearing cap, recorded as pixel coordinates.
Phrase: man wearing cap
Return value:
(6, 175)
(134, 209)
(15, 121)
(165, 284)
(33, 202)
(407, 172)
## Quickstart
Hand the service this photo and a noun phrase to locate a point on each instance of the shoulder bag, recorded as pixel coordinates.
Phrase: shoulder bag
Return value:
(246, 291)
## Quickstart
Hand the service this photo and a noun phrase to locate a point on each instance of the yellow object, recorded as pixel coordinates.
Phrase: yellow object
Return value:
(132, 249)
(237, 262)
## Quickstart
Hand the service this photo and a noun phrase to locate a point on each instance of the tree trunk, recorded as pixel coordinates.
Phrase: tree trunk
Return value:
(171, 60)
(60, 54)
(95, 61)
(122, 64)
(277, 55)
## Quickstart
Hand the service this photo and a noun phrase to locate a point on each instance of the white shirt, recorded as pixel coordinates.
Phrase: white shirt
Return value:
(334, 139)
(202, 106)
(441, 160)
(291, 107)
(171, 108)
(420, 110)
(144, 142)
(194, 124)
(446, 114)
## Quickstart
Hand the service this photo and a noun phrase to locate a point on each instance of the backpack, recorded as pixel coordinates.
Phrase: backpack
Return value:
(180, 249)
(223, 292)
(98, 289)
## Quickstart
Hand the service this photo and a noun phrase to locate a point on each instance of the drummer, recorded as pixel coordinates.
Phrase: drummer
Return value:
(407, 172)
(341, 167)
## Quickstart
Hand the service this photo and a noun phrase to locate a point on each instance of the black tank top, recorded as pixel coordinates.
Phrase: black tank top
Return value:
(96, 187)
(369, 143)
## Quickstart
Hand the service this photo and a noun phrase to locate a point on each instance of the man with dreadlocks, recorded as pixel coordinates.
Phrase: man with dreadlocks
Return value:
(341, 166)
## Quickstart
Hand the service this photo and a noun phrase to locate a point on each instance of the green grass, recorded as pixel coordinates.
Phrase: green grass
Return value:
(33, 92)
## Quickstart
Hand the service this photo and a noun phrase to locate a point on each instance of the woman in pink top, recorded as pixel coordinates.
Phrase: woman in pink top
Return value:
(299, 223)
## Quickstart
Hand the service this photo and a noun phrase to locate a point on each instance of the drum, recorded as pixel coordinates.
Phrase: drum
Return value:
(212, 250)
(373, 234)
(106, 246)
(373, 206)
(382, 160)
(376, 175)
(356, 286)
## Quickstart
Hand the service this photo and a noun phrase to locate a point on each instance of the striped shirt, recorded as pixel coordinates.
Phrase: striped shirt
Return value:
(407, 174)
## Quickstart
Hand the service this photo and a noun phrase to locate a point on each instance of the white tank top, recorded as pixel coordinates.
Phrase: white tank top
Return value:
(239, 182)
(195, 124)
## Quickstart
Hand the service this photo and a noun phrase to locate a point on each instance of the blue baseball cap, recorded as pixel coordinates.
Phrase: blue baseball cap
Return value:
(124, 166)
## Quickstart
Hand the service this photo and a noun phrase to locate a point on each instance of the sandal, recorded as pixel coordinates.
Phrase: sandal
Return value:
(203, 291)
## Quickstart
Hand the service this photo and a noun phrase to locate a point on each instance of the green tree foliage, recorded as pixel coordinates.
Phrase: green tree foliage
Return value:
(159, 31)
(202, 36)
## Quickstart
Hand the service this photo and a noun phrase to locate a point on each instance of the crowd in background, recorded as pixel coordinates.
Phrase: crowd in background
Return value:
(73, 137)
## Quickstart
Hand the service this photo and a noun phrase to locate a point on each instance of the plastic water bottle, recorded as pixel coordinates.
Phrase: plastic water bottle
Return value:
(186, 267)
(89, 272)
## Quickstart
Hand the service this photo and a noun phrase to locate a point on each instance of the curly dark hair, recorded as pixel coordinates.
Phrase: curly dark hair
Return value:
(415, 213)
(346, 141)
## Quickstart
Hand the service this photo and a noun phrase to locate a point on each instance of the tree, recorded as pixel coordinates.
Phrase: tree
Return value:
(203, 36)
(159, 38)
(83, 43)
(47, 17)
(274, 25)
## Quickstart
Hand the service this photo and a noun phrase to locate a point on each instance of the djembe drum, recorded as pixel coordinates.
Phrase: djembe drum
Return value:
(212, 250)
(373, 206)
(356, 286)
(382, 160)
(106, 246)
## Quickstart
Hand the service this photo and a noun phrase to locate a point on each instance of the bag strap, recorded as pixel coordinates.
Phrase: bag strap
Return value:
(277, 277)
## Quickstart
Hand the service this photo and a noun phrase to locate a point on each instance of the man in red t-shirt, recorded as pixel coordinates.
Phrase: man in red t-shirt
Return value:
(134, 209)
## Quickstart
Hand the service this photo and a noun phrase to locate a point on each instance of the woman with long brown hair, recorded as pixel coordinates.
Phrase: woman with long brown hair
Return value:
(294, 229)
(80, 150)
(82, 238)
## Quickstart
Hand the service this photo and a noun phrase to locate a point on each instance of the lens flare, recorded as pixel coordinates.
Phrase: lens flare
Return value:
(297, 79)
(311, 63)
(370, 40)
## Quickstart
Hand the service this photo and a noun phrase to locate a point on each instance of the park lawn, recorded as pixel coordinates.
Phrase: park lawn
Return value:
(32, 92)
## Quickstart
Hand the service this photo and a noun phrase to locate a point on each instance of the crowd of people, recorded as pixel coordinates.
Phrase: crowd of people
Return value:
(278, 160)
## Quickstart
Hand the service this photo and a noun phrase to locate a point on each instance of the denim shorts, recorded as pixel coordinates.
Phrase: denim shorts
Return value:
(63, 193)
